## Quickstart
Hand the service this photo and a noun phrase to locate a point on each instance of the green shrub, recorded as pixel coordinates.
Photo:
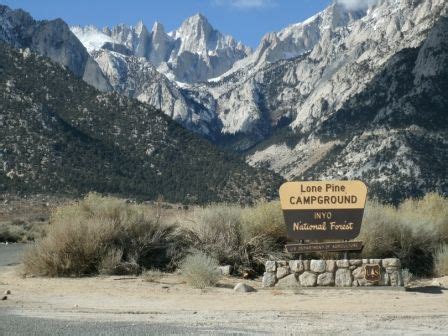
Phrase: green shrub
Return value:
(101, 234)
(441, 260)
(199, 270)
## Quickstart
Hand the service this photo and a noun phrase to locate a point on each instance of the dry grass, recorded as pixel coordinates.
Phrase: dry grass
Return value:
(152, 275)
(200, 270)
(101, 234)
(441, 260)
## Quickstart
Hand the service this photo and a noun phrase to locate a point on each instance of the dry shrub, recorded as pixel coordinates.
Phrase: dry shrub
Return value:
(232, 235)
(11, 233)
(411, 231)
(441, 260)
(90, 236)
(216, 231)
(200, 270)
(265, 218)
(407, 277)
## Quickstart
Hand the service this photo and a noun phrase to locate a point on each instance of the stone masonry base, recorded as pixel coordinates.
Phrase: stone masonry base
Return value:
(336, 273)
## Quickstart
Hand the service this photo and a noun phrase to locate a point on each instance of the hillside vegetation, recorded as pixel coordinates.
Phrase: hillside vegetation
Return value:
(60, 135)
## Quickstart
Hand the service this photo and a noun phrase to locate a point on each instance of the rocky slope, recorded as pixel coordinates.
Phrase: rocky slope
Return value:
(52, 39)
(393, 134)
(194, 52)
(60, 135)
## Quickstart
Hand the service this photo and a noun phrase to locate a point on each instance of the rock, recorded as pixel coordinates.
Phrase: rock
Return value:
(269, 279)
(436, 283)
(270, 266)
(391, 269)
(282, 271)
(359, 273)
(282, 263)
(225, 270)
(4, 298)
(243, 288)
(343, 278)
(355, 283)
(318, 266)
(306, 265)
(385, 279)
(330, 266)
(395, 279)
(375, 261)
(342, 263)
(288, 282)
(308, 279)
(365, 261)
(391, 262)
(351, 268)
(7, 292)
(296, 266)
(325, 279)
(355, 262)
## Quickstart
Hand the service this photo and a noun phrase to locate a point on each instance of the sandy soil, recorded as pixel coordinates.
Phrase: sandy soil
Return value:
(169, 301)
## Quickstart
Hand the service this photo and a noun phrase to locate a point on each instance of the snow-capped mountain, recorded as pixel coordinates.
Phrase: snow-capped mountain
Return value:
(348, 93)
(193, 53)
(138, 78)
(52, 39)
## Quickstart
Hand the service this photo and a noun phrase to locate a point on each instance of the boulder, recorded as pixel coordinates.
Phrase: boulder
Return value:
(342, 263)
(288, 282)
(308, 279)
(282, 271)
(355, 262)
(269, 279)
(306, 265)
(225, 270)
(395, 279)
(391, 269)
(359, 273)
(270, 266)
(330, 266)
(391, 262)
(385, 279)
(325, 279)
(296, 266)
(375, 261)
(343, 278)
(243, 288)
(318, 266)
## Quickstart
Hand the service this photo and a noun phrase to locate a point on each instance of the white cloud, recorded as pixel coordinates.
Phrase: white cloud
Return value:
(243, 4)
(357, 4)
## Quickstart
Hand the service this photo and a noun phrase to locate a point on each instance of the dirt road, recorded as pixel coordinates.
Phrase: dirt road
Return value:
(110, 305)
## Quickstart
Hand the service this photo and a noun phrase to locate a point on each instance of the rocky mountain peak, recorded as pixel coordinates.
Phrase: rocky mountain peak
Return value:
(158, 28)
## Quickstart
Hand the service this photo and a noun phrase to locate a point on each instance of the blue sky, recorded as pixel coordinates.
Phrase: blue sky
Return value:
(246, 20)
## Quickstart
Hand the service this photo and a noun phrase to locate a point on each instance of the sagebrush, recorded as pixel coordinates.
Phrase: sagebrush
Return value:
(200, 270)
(101, 235)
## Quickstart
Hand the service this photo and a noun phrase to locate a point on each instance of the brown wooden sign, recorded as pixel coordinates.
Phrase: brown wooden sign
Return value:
(372, 272)
(322, 210)
(329, 247)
